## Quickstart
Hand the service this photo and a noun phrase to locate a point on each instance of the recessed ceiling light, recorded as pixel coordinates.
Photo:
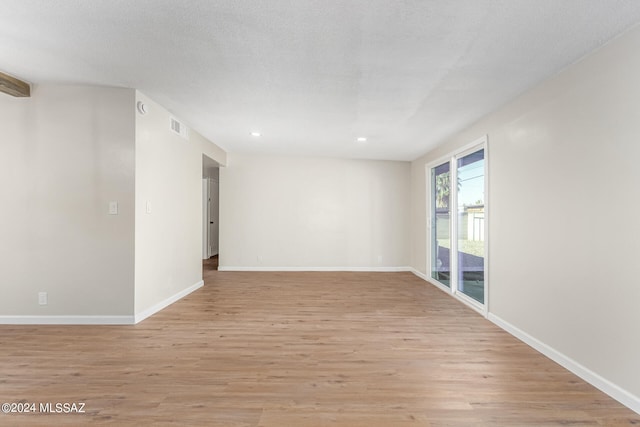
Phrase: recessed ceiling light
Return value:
(362, 139)
(256, 134)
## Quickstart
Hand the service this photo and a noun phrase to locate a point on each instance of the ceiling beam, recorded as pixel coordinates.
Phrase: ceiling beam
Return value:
(14, 87)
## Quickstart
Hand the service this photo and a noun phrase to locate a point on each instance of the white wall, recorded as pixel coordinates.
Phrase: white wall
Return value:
(65, 153)
(563, 194)
(168, 178)
(291, 212)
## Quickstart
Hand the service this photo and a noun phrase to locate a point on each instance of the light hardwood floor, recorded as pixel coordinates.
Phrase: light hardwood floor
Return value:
(298, 349)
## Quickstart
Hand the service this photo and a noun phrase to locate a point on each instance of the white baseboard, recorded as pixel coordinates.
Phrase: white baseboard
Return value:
(616, 392)
(98, 320)
(364, 269)
(139, 317)
(460, 297)
(66, 320)
(419, 274)
(623, 396)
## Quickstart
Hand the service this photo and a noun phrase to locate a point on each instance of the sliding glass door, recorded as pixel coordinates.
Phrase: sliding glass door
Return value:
(457, 199)
(441, 223)
(470, 225)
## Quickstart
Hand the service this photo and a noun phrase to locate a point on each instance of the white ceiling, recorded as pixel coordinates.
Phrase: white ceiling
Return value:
(311, 75)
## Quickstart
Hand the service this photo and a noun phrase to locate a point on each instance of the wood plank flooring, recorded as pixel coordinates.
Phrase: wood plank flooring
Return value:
(297, 349)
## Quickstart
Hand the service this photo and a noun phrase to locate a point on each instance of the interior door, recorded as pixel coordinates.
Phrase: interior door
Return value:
(205, 218)
(214, 211)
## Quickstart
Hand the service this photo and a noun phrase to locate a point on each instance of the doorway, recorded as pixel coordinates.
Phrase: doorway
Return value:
(210, 213)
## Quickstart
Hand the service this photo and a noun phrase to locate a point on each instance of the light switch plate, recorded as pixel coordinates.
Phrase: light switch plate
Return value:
(113, 208)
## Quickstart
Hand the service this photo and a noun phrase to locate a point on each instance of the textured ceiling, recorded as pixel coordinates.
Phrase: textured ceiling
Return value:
(311, 75)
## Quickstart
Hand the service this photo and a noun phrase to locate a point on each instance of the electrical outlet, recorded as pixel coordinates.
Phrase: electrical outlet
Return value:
(259, 257)
(113, 208)
(379, 258)
(42, 298)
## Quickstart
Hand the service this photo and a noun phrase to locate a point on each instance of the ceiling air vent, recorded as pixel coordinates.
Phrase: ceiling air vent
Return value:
(179, 128)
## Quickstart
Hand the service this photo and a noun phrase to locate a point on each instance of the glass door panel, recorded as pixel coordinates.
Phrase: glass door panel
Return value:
(471, 226)
(440, 220)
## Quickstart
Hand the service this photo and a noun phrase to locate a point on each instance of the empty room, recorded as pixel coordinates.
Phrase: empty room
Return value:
(319, 213)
